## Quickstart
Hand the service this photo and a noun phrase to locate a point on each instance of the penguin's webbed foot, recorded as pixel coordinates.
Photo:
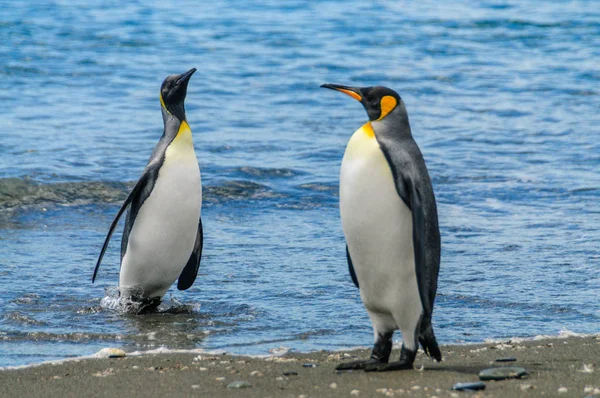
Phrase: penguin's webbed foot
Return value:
(360, 364)
(379, 356)
(407, 358)
(386, 367)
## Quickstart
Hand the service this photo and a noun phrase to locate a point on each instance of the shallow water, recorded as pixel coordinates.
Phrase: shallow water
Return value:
(504, 102)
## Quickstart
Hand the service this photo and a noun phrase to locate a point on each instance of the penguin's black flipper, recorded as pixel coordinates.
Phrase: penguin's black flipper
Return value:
(189, 273)
(419, 243)
(351, 267)
(414, 187)
(135, 192)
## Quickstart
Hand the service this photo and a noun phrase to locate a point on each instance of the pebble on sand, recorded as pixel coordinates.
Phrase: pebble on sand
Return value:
(110, 353)
(239, 384)
(469, 386)
(502, 373)
(562, 390)
(355, 393)
(333, 385)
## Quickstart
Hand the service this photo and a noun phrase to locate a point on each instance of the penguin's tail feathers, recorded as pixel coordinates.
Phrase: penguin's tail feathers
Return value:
(429, 343)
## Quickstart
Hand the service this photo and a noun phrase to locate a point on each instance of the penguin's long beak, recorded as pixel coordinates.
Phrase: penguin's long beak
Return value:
(351, 91)
(186, 76)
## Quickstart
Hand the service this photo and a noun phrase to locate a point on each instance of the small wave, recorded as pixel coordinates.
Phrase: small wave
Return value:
(17, 193)
(20, 318)
(262, 172)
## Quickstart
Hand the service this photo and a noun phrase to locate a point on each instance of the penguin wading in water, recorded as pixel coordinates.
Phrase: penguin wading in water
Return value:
(389, 218)
(162, 238)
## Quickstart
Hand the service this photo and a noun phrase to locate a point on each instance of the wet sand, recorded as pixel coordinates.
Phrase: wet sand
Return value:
(567, 367)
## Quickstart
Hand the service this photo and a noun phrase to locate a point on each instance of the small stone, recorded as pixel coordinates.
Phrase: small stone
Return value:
(302, 396)
(195, 387)
(202, 369)
(381, 390)
(454, 395)
(239, 384)
(110, 353)
(506, 359)
(279, 378)
(502, 373)
(256, 373)
(527, 387)
(309, 365)
(219, 378)
(415, 388)
(469, 386)
(562, 390)
(333, 385)
(57, 377)
(290, 373)
(107, 372)
(389, 394)
(356, 393)
(587, 389)
(587, 368)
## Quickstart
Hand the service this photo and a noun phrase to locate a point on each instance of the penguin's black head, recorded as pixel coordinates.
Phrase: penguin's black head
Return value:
(378, 101)
(173, 91)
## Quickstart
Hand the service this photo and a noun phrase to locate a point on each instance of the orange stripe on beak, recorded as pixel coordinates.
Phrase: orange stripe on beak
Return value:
(350, 93)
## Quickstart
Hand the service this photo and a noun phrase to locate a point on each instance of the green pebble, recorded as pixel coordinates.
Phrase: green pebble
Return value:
(239, 384)
(507, 372)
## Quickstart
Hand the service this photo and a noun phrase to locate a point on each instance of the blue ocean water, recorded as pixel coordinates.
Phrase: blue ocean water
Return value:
(504, 101)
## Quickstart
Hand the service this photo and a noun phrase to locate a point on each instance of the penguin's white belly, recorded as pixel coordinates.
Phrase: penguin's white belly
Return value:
(164, 231)
(378, 230)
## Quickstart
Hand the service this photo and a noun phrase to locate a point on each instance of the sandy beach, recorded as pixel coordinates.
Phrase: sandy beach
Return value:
(561, 367)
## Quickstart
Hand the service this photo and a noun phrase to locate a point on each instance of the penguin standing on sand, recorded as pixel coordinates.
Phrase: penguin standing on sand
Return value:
(389, 218)
(162, 238)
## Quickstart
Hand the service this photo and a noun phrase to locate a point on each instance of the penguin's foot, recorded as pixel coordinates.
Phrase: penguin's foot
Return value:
(386, 367)
(360, 364)
(407, 358)
(379, 356)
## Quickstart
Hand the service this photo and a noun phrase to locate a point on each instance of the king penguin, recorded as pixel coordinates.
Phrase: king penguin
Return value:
(162, 237)
(389, 219)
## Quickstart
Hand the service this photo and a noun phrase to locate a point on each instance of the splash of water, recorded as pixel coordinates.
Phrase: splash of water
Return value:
(126, 305)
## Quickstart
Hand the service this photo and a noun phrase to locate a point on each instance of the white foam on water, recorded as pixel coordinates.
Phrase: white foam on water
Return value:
(280, 351)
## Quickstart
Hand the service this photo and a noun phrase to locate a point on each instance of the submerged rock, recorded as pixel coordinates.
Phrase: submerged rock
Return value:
(508, 372)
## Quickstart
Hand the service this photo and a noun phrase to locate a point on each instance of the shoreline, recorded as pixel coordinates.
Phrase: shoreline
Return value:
(556, 366)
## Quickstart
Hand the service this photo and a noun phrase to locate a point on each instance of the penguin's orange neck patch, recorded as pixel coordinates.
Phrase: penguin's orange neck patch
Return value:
(183, 129)
(367, 128)
(162, 103)
(387, 104)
